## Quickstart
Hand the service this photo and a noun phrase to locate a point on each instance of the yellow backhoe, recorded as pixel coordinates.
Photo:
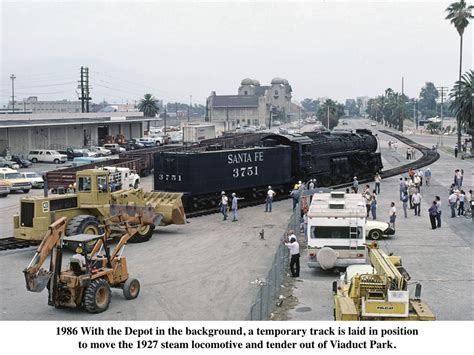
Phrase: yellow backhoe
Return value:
(86, 282)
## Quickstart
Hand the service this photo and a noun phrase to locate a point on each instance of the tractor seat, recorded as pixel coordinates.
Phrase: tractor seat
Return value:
(76, 267)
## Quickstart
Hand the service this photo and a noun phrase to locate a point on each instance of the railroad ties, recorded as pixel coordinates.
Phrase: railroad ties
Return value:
(13, 243)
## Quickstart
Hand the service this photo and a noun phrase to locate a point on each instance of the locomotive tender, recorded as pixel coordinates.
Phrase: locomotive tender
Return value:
(274, 160)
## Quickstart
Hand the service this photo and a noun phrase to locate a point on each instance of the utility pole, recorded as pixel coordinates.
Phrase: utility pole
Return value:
(13, 77)
(442, 88)
(164, 122)
(190, 104)
(415, 116)
(400, 124)
(328, 118)
(84, 86)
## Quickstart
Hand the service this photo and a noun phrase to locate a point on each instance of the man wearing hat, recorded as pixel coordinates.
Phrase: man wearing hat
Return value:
(79, 257)
(269, 199)
(355, 184)
(224, 203)
(294, 248)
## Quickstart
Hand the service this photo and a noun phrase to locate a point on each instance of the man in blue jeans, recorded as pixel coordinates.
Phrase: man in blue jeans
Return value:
(453, 199)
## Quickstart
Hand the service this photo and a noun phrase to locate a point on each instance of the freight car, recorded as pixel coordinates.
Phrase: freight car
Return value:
(275, 159)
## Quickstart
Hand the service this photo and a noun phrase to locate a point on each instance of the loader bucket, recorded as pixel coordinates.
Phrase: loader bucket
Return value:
(130, 212)
(167, 204)
(37, 282)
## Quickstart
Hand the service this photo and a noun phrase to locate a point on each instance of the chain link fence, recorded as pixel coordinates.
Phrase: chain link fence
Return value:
(269, 290)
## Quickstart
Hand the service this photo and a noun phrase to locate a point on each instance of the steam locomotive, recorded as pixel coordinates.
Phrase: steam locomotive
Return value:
(277, 160)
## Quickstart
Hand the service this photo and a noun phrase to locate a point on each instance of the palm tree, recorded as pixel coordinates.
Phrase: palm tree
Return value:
(149, 106)
(461, 103)
(459, 15)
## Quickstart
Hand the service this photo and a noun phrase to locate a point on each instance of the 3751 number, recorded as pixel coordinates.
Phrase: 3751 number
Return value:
(245, 171)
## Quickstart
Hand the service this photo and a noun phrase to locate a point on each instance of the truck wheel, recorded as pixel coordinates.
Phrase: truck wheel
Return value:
(135, 186)
(131, 289)
(34, 160)
(143, 235)
(97, 296)
(375, 234)
(26, 191)
(56, 161)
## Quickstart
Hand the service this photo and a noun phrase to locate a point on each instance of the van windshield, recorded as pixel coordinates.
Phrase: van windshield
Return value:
(335, 232)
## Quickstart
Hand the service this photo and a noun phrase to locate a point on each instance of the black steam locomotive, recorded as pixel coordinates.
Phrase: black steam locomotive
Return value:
(272, 160)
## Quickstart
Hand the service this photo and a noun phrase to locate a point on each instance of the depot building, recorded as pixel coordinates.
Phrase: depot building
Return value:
(20, 133)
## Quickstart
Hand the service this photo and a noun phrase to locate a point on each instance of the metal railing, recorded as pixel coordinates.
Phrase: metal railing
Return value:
(269, 291)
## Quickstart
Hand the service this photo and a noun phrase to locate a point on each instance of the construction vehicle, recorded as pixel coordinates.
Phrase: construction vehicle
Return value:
(378, 292)
(89, 205)
(91, 274)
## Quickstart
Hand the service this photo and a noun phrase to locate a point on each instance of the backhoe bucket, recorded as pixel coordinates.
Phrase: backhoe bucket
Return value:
(38, 281)
(167, 204)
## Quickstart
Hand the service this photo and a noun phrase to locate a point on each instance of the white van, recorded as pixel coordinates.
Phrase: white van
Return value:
(336, 230)
(44, 155)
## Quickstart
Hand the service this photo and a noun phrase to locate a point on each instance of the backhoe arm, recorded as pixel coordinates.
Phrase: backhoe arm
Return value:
(36, 278)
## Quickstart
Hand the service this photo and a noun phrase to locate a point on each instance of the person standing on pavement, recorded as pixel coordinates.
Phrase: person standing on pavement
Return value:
(428, 176)
(311, 184)
(405, 204)
(438, 210)
(355, 184)
(453, 200)
(433, 212)
(373, 205)
(377, 180)
(269, 199)
(295, 196)
(403, 188)
(368, 198)
(234, 207)
(294, 248)
(461, 198)
(305, 224)
(224, 203)
(411, 191)
(416, 200)
(392, 214)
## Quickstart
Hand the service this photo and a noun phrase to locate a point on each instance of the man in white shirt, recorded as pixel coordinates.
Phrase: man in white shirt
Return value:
(453, 201)
(269, 199)
(224, 203)
(416, 200)
(294, 248)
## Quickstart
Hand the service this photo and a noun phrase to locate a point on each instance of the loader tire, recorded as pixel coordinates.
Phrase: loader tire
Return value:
(97, 296)
(83, 224)
(143, 235)
(131, 289)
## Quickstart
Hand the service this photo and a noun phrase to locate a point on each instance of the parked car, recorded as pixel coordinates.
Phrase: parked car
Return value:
(36, 179)
(8, 164)
(376, 229)
(46, 155)
(4, 189)
(114, 148)
(148, 142)
(23, 163)
(373, 124)
(132, 144)
(14, 180)
(100, 151)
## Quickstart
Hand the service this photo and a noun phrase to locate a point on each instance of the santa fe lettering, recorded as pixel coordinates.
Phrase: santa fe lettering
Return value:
(244, 157)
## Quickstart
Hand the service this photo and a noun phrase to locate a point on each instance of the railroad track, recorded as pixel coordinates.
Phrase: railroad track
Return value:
(13, 243)
(429, 156)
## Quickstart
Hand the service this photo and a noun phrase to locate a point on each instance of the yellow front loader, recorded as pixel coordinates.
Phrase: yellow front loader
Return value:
(378, 292)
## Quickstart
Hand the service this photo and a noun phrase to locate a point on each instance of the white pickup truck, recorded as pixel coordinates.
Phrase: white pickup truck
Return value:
(128, 178)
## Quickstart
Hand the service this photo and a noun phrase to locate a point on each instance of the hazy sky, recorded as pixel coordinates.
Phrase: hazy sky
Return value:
(177, 49)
